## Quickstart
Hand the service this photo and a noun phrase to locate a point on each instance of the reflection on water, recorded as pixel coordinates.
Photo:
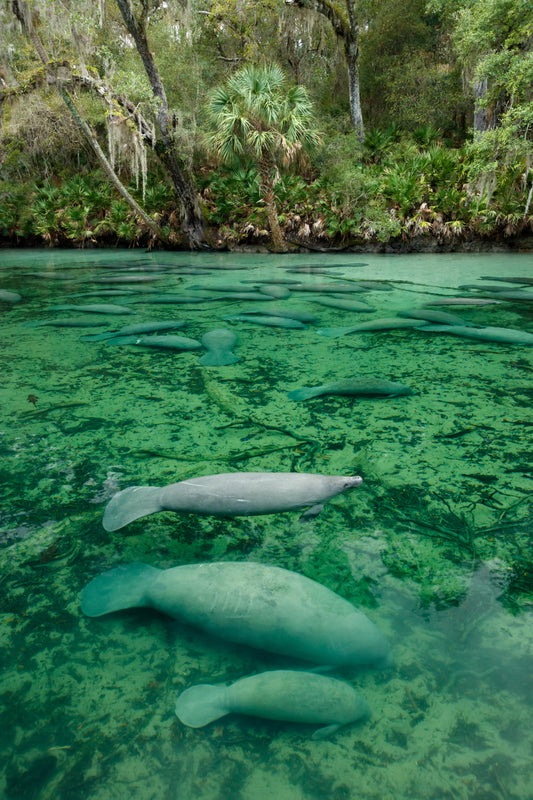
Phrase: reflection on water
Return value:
(435, 546)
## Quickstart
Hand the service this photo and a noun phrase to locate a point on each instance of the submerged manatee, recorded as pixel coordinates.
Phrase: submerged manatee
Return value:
(268, 321)
(100, 308)
(329, 287)
(141, 327)
(164, 342)
(261, 606)
(438, 317)
(279, 292)
(74, 322)
(367, 387)
(486, 334)
(9, 297)
(171, 298)
(290, 313)
(218, 343)
(229, 494)
(461, 301)
(384, 324)
(287, 695)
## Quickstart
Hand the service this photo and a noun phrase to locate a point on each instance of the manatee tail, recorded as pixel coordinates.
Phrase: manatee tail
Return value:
(123, 587)
(130, 504)
(220, 360)
(304, 393)
(332, 333)
(201, 704)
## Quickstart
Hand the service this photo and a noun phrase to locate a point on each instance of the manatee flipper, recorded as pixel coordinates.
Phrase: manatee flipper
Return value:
(323, 733)
(123, 587)
(311, 512)
(132, 503)
(201, 704)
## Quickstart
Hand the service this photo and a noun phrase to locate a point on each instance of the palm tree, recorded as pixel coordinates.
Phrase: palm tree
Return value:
(256, 115)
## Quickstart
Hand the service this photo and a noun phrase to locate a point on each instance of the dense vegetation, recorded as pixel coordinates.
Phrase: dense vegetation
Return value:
(324, 123)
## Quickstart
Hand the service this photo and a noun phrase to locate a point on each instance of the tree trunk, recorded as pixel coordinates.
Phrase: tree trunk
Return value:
(23, 14)
(351, 48)
(193, 222)
(108, 169)
(267, 191)
(348, 31)
(481, 117)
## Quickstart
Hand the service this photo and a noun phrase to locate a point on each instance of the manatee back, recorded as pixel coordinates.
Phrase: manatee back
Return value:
(297, 696)
(269, 608)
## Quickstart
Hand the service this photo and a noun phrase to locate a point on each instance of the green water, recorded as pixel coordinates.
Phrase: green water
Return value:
(435, 546)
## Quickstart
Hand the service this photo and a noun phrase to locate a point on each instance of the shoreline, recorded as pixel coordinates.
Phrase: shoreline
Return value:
(419, 244)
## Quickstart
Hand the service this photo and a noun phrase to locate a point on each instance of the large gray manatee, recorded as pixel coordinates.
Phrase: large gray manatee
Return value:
(253, 604)
(288, 695)
(231, 494)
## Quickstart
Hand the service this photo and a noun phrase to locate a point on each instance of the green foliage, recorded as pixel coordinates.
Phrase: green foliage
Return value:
(413, 174)
(257, 115)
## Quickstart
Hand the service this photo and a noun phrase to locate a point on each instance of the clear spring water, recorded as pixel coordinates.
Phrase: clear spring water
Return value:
(435, 546)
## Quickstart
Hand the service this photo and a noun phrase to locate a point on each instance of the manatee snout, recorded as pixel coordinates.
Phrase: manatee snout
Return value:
(352, 480)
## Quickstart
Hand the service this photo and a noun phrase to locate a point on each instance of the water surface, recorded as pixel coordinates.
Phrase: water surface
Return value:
(435, 546)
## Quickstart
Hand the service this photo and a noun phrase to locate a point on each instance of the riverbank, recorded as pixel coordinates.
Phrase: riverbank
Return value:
(401, 244)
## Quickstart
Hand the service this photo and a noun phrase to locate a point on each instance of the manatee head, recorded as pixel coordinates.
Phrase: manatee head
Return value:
(351, 480)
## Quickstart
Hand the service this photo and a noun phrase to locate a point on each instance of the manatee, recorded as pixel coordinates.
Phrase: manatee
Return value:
(218, 343)
(230, 494)
(315, 271)
(486, 334)
(386, 323)
(105, 293)
(437, 317)
(461, 301)
(515, 279)
(9, 297)
(328, 287)
(104, 308)
(141, 327)
(56, 276)
(126, 279)
(366, 387)
(74, 322)
(513, 294)
(165, 342)
(479, 287)
(190, 271)
(381, 286)
(286, 695)
(269, 321)
(229, 266)
(221, 287)
(290, 313)
(242, 296)
(273, 281)
(171, 298)
(253, 604)
(280, 292)
(344, 305)
(327, 266)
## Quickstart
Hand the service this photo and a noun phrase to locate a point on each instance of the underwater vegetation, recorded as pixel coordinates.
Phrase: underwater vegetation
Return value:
(433, 548)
